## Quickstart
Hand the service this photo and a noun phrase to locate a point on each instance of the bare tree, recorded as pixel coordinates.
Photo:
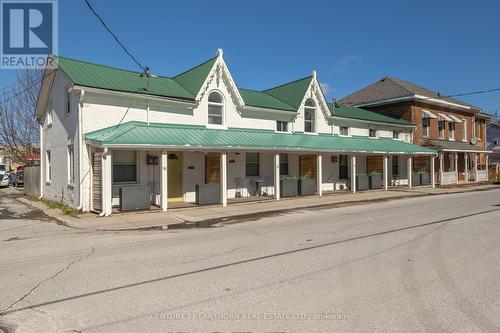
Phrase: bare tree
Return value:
(19, 131)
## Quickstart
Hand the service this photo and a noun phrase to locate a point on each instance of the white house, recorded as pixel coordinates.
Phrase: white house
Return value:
(108, 133)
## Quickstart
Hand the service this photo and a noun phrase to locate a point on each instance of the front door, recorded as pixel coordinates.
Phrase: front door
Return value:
(96, 181)
(174, 177)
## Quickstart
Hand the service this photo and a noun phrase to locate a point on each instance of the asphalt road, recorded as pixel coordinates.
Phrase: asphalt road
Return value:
(429, 264)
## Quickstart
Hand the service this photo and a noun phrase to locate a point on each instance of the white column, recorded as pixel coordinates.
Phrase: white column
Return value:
(409, 170)
(223, 179)
(433, 179)
(277, 176)
(386, 172)
(164, 180)
(487, 167)
(319, 174)
(353, 173)
(466, 168)
(441, 169)
(476, 173)
(106, 183)
(455, 157)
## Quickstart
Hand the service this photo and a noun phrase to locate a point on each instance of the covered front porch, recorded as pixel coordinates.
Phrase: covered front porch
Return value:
(269, 165)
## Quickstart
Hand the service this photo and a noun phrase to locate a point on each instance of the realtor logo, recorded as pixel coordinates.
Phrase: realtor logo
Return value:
(28, 33)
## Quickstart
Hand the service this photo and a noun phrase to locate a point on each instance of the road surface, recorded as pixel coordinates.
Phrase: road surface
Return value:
(429, 264)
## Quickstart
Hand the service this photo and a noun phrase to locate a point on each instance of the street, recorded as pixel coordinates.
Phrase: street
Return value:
(428, 264)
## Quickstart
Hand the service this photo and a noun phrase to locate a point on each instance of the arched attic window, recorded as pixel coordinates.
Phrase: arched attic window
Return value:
(309, 116)
(215, 108)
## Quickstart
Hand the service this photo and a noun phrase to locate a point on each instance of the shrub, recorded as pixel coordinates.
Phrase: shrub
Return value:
(65, 209)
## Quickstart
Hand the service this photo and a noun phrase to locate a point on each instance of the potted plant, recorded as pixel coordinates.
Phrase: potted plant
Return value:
(375, 180)
(289, 186)
(362, 181)
(307, 186)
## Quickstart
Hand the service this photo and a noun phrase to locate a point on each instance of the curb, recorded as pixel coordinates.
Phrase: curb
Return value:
(66, 220)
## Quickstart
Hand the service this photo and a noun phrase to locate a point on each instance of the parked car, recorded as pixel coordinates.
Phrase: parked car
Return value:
(18, 179)
(4, 180)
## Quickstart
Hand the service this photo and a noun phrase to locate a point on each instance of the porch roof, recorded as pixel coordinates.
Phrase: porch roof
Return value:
(139, 134)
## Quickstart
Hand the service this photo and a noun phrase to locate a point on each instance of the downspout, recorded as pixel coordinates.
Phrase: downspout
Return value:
(42, 162)
(103, 211)
(80, 150)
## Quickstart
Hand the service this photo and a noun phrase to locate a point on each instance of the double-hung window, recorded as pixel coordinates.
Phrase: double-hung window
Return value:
(252, 165)
(344, 130)
(309, 116)
(281, 126)
(441, 127)
(48, 167)
(395, 134)
(464, 128)
(124, 166)
(283, 164)
(372, 133)
(451, 131)
(343, 167)
(426, 124)
(215, 108)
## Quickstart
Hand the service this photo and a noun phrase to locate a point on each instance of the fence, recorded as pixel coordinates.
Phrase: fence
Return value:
(449, 178)
(32, 181)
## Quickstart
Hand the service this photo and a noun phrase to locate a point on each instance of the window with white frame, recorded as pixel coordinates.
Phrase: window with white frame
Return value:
(451, 131)
(344, 130)
(426, 124)
(252, 167)
(309, 116)
(49, 115)
(124, 166)
(215, 108)
(283, 164)
(372, 133)
(441, 127)
(281, 126)
(396, 134)
(464, 127)
(71, 164)
(48, 167)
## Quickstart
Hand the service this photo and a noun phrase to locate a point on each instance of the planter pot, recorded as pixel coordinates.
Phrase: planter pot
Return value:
(415, 179)
(375, 181)
(307, 186)
(425, 178)
(207, 194)
(289, 188)
(362, 182)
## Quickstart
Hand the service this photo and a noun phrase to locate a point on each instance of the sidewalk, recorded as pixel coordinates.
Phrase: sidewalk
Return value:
(208, 215)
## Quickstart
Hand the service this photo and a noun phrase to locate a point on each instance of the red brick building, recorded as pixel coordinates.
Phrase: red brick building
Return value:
(457, 130)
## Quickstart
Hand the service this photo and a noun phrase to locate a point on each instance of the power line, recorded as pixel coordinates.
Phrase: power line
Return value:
(22, 91)
(144, 68)
(472, 93)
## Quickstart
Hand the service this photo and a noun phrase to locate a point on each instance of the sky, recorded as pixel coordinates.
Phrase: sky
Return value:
(447, 46)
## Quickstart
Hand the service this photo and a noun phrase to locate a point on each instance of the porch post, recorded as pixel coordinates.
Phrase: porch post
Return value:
(106, 180)
(409, 170)
(476, 173)
(455, 157)
(164, 180)
(277, 176)
(386, 172)
(433, 178)
(223, 178)
(441, 167)
(353, 173)
(319, 174)
(466, 168)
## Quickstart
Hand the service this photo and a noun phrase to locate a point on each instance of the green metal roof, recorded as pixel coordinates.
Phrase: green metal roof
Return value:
(263, 100)
(110, 78)
(291, 93)
(194, 78)
(187, 136)
(352, 112)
